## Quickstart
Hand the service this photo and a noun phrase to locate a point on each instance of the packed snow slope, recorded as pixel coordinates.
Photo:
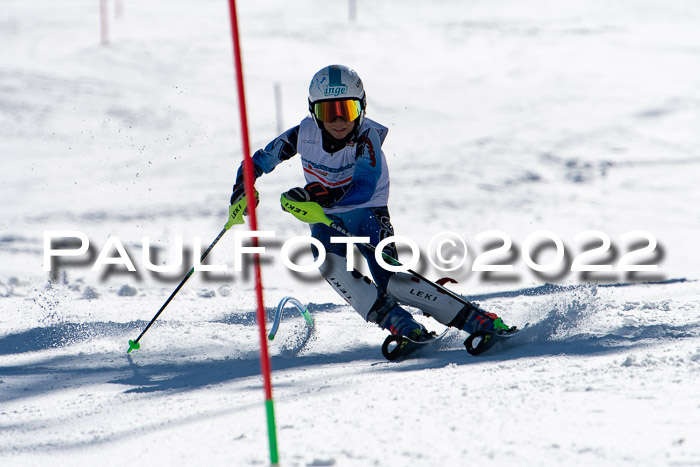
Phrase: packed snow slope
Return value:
(510, 116)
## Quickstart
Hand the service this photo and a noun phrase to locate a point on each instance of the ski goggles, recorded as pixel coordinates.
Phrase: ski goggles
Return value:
(327, 111)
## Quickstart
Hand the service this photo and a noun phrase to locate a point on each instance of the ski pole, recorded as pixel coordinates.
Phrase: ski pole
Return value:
(312, 213)
(236, 212)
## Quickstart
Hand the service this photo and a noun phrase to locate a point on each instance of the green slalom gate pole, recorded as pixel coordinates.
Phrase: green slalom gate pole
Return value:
(272, 431)
(248, 182)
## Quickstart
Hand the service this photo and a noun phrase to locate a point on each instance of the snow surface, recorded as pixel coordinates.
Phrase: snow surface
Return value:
(512, 116)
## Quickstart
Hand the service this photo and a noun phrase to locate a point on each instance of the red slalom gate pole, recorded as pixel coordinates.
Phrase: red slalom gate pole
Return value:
(104, 23)
(248, 181)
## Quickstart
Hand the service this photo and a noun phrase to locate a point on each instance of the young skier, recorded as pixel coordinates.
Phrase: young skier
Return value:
(346, 173)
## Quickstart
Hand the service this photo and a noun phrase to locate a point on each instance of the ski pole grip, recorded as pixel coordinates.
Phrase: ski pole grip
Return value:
(306, 211)
(238, 210)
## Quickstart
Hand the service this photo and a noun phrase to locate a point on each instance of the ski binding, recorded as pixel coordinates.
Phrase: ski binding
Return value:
(480, 341)
(395, 347)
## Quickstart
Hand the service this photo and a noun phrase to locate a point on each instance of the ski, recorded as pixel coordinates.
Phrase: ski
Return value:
(480, 341)
(395, 347)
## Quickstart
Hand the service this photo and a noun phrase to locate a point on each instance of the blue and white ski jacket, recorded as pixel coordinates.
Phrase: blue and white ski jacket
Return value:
(357, 173)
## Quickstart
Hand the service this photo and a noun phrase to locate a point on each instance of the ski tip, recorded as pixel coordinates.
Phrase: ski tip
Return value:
(395, 347)
(133, 346)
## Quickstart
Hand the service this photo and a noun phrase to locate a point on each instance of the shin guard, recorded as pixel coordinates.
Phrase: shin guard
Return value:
(358, 290)
(412, 291)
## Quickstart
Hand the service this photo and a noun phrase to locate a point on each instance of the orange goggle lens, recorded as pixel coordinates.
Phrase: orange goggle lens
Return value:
(327, 111)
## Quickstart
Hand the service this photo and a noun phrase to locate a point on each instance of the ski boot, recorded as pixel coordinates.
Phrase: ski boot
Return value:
(401, 323)
(407, 334)
(484, 329)
(490, 322)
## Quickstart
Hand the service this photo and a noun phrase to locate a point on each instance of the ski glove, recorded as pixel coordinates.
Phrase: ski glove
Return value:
(316, 192)
(298, 194)
(239, 193)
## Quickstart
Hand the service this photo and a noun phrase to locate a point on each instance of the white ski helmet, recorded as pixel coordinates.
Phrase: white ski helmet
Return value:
(340, 85)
